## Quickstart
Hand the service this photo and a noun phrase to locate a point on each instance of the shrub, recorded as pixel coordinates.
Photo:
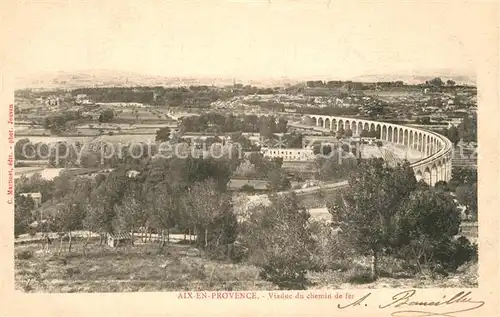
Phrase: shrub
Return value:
(360, 276)
(24, 255)
(279, 242)
(285, 273)
(72, 271)
(331, 252)
(455, 253)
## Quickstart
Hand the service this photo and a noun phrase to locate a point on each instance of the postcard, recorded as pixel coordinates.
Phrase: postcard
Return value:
(249, 158)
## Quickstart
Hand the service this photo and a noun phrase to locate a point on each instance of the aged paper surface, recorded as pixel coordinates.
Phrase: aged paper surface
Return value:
(264, 195)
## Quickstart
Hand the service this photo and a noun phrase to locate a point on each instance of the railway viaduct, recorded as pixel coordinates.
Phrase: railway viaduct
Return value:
(437, 149)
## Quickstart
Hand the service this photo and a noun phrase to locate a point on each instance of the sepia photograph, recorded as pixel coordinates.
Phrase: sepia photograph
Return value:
(227, 149)
(131, 181)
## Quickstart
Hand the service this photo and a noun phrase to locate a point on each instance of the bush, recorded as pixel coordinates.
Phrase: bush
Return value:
(72, 271)
(24, 255)
(279, 242)
(360, 276)
(285, 273)
(331, 252)
(457, 252)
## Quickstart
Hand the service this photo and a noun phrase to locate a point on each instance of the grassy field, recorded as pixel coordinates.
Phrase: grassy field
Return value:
(144, 267)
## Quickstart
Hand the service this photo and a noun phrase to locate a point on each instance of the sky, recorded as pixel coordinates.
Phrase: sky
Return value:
(244, 39)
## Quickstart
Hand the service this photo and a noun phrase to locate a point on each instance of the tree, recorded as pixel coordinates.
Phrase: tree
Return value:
(467, 196)
(438, 82)
(69, 217)
(241, 140)
(428, 222)
(106, 116)
(161, 206)
(425, 120)
(464, 175)
(129, 216)
(277, 180)
(450, 83)
(207, 203)
(246, 169)
(367, 210)
(163, 134)
(279, 242)
(441, 185)
(452, 135)
(281, 127)
(294, 140)
(23, 208)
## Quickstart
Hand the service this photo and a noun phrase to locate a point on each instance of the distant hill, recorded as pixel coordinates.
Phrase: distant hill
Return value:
(101, 78)
(460, 77)
(110, 78)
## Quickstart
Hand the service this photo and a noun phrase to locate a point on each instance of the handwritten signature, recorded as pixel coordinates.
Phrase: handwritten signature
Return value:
(406, 301)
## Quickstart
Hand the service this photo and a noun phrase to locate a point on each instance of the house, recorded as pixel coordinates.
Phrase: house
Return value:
(37, 198)
(119, 239)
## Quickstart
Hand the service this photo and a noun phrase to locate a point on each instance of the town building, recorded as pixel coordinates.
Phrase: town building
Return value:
(289, 154)
(37, 198)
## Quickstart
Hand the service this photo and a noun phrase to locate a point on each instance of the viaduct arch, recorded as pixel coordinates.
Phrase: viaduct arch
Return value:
(437, 149)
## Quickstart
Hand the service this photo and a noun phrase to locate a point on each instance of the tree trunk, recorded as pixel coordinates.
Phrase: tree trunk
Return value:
(374, 265)
(70, 241)
(132, 237)
(168, 235)
(60, 245)
(189, 232)
(86, 243)
(206, 238)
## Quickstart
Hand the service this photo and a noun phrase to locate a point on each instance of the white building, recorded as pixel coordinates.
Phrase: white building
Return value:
(289, 154)
(37, 198)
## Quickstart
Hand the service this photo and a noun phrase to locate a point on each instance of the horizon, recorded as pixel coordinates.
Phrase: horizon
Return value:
(145, 79)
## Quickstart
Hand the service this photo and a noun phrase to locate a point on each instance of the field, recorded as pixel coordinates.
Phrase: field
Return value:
(392, 95)
(145, 267)
(142, 267)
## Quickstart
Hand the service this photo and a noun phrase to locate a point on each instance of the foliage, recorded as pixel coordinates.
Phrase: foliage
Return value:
(279, 242)
(428, 221)
(163, 134)
(61, 122)
(367, 211)
(464, 175)
(336, 166)
(467, 196)
(23, 208)
(206, 205)
(106, 116)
